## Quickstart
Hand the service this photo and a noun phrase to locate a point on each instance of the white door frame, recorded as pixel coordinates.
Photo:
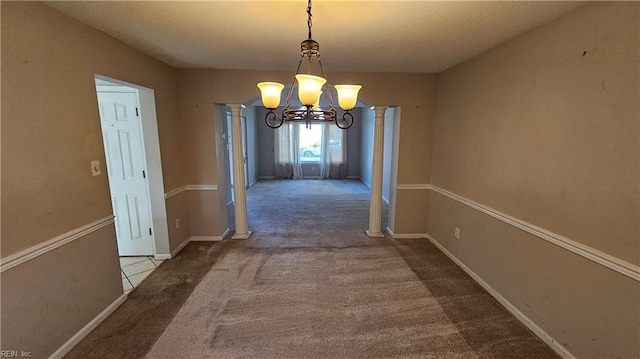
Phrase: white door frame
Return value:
(154, 164)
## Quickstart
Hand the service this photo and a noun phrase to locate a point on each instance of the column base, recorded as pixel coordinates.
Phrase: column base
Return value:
(374, 234)
(241, 236)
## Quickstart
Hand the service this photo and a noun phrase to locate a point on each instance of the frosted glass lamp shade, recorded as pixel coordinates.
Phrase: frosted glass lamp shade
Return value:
(309, 88)
(270, 94)
(317, 104)
(347, 96)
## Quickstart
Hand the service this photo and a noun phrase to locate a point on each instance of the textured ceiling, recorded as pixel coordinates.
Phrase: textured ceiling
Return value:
(377, 36)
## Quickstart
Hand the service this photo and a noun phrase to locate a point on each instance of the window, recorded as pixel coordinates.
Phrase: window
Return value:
(322, 144)
(310, 146)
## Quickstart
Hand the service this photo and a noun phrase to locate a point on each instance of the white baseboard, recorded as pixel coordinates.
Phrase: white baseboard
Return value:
(557, 347)
(266, 177)
(373, 234)
(66, 347)
(162, 257)
(354, 177)
(179, 248)
(405, 235)
(409, 235)
(193, 239)
(205, 239)
(210, 238)
(229, 203)
(241, 236)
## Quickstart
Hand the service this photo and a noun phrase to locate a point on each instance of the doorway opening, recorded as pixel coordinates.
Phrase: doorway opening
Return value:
(358, 145)
(134, 171)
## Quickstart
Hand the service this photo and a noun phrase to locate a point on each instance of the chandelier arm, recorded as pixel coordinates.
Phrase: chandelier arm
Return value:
(347, 118)
(271, 119)
(293, 83)
(326, 83)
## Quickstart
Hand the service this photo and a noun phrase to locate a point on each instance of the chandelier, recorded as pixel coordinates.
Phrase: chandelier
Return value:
(309, 92)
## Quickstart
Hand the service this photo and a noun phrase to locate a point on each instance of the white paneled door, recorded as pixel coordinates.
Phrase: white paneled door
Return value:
(126, 167)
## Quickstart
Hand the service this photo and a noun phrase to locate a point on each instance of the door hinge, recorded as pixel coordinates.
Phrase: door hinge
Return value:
(149, 231)
(137, 112)
(144, 175)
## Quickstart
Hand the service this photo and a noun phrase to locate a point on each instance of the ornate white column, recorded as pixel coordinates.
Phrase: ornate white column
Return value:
(375, 210)
(239, 190)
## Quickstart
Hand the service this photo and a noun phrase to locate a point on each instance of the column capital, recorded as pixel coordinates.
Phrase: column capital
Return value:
(380, 110)
(235, 107)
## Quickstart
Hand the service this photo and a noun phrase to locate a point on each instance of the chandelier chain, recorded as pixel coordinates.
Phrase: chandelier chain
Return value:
(309, 22)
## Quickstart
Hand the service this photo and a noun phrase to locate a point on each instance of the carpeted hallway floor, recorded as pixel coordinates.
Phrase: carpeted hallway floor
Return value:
(310, 284)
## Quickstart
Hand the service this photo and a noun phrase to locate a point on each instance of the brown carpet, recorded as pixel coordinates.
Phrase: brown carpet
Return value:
(310, 284)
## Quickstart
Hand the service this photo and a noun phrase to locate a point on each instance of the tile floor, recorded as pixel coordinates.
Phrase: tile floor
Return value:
(135, 269)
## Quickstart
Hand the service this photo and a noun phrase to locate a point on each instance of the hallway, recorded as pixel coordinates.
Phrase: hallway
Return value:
(309, 283)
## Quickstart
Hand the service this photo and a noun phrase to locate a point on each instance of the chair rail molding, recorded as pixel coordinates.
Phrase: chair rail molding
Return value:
(623, 267)
(190, 187)
(56, 242)
(413, 186)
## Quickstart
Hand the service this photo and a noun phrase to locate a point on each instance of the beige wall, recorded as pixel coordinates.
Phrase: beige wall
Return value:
(50, 133)
(50, 298)
(51, 129)
(199, 90)
(178, 208)
(589, 309)
(545, 128)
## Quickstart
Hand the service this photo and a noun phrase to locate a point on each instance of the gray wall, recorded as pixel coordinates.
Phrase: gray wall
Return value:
(253, 158)
(388, 146)
(265, 149)
(266, 167)
(366, 145)
(353, 144)
(223, 111)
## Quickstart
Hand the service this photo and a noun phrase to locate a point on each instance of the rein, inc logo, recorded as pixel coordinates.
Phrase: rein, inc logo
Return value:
(14, 354)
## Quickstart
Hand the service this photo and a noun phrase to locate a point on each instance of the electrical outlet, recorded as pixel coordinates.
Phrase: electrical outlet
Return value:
(177, 223)
(456, 233)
